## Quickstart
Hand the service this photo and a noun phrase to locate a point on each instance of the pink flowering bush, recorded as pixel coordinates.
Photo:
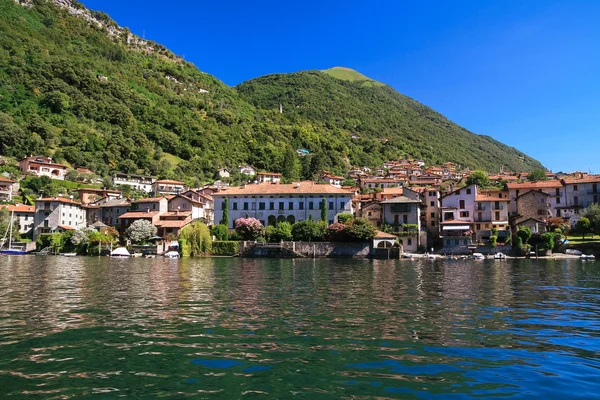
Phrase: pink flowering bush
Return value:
(336, 232)
(249, 228)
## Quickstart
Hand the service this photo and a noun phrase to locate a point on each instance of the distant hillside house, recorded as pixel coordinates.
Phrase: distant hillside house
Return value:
(6, 188)
(268, 177)
(302, 152)
(168, 187)
(292, 202)
(89, 195)
(42, 166)
(138, 182)
(246, 170)
(223, 173)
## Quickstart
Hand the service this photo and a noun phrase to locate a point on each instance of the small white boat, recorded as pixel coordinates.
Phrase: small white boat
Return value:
(136, 255)
(573, 252)
(68, 254)
(430, 257)
(171, 254)
(478, 256)
(149, 256)
(499, 256)
(407, 255)
(587, 257)
(120, 252)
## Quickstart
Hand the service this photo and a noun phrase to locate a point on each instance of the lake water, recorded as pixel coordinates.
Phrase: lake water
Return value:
(257, 328)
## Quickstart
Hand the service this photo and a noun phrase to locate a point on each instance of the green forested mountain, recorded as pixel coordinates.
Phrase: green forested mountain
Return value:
(89, 93)
(389, 124)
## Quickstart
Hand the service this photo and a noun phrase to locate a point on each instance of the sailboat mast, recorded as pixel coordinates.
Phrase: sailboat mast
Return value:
(10, 225)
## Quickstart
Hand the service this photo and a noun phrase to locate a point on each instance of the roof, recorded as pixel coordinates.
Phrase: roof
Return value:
(20, 208)
(67, 227)
(174, 223)
(533, 192)
(34, 158)
(138, 214)
(384, 235)
(305, 187)
(60, 200)
(491, 198)
(455, 222)
(175, 213)
(383, 180)
(396, 190)
(400, 199)
(169, 182)
(3, 179)
(150, 200)
(98, 190)
(99, 224)
(116, 202)
(269, 173)
(586, 179)
(554, 183)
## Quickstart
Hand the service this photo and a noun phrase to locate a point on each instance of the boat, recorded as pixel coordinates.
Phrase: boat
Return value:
(499, 256)
(478, 256)
(136, 255)
(573, 252)
(10, 251)
(171, 254)
(430, 257)
(68, 254)
(120, 252)
(587, 257)
(150, 256)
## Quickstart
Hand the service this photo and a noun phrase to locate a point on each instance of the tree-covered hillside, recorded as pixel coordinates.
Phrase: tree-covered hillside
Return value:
(90, 94)
(389, 124)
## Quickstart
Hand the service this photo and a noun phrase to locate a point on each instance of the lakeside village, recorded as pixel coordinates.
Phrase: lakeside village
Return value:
(403, 207)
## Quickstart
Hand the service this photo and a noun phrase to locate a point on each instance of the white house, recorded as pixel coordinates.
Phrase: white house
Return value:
(580, 192)
(138, 182)
(6, 188)
(23, 216)
(268, 177)
(404, 214)
(283, 202)
(223, 173)
(58, 214)
(246, 170)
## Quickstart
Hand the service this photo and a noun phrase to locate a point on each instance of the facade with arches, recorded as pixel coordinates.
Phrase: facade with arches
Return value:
(274, 203)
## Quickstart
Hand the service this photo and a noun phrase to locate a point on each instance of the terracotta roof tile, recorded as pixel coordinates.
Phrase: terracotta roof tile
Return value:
(20, 208)
(302, 188)
(60, 200)
(138, 214)
(535, 185)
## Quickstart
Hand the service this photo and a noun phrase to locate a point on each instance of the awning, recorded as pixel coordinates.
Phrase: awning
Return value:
(499, 222)
(456, 228)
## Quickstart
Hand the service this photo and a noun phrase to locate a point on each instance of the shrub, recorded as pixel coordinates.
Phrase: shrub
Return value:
(140, 230)
(524, 233)
(547, 241)
(220, 232)
(283, 231)
(336, 232)
(345, 218)
(225, 248)
(249, 228)
(361, 230)
(493, 241)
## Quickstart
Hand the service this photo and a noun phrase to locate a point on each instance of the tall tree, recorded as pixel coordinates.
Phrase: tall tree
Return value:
(324, 210)
(479, 178)
(291, 165)
(225, 220)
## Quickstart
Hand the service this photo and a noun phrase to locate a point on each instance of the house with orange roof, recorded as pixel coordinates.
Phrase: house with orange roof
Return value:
(42, 166)
(554, 188)
(137, 182)
(7, 188)
(273, 203)
(167, 187)
(23, 215)
(580, 191)
(58, 214)
(268, 177)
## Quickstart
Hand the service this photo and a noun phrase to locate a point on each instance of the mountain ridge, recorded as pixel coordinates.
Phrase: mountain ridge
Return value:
(106, 101)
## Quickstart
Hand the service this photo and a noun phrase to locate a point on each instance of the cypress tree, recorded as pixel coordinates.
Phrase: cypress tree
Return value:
(324, 210)
(225, 220)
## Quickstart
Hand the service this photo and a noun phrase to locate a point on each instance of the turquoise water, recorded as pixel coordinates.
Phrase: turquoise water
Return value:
(318, 329)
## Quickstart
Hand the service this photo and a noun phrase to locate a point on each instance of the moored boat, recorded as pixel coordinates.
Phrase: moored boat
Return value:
(171, 254)
(120, 252)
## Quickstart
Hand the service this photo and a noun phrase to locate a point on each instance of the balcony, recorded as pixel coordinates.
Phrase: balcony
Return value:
(593, 191)
(498, 207)
(481, 208)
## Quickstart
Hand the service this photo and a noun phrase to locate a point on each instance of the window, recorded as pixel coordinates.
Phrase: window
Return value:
(261, 206)
(497, 215)
(432, 223)
(310, 205)
(301, 206)
(341, 205)
(234, 206)
(369, 213)
(291, 205)
(331, 206)
(468, 190)
(396, 220)
(461, 204)
(405, 219)
(320, 205)
(432, 203)
(271, 205)
(464, 214)
(432, 194)
(541, 212)
(281, 205)
(409, 241)
(478, 226)
(457, 193)
(574, 187)
(245, 205)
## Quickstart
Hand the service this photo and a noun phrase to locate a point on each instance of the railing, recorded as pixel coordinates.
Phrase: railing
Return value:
(498, 207)
(480, 208)
(593, 191)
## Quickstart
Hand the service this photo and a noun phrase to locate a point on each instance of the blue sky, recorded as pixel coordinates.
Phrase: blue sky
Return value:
(524, 72)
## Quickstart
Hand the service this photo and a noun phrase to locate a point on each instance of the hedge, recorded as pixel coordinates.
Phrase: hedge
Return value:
(225, 248)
